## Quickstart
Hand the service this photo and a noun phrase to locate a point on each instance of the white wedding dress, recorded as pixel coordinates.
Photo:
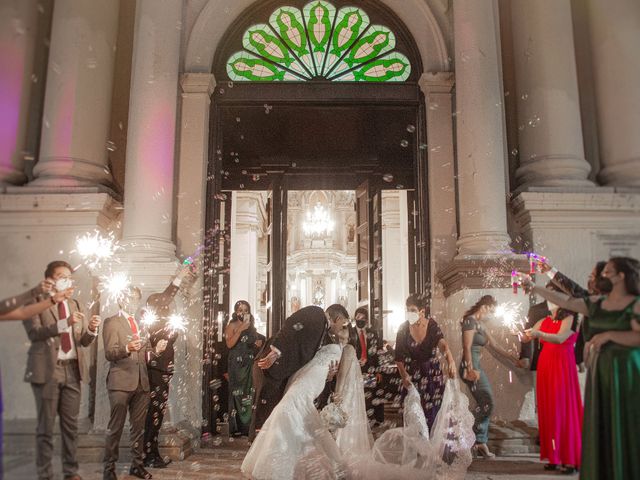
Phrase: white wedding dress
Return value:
(294, 443)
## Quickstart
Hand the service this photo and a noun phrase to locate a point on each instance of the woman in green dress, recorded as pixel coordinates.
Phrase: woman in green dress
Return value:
(610, 441)
(243, 342)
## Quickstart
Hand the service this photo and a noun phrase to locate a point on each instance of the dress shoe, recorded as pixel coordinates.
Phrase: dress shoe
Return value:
(109, 475)
(139, 472)
(156, 462)
(483, 451)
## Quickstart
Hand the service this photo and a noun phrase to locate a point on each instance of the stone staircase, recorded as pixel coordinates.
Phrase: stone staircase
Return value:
(513, 438)
(176, 442)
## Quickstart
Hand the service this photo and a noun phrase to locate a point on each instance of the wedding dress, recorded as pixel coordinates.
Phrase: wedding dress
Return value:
(294, 443)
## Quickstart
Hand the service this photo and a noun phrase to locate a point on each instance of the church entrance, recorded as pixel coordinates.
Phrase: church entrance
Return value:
(303, 166)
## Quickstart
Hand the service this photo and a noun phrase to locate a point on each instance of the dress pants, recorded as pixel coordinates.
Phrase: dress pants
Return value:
(159, 385)
(483, 395)
(136, 402)
(61, 397)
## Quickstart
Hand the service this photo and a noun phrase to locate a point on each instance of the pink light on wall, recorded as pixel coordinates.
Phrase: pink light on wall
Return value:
(11, 94)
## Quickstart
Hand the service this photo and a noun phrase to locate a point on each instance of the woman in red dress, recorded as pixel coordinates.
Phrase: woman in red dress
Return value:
(558, 391)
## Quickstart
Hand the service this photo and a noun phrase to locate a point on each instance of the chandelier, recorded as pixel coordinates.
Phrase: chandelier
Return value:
(318, 222)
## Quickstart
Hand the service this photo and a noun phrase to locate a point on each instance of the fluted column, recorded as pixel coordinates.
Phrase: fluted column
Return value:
(77, 107)
(550, 130)
(480, 130)
(615, 35)
(18, 25)
(149, 172)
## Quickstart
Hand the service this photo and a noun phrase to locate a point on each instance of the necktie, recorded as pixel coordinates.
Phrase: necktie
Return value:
(65, 338)
(132, 324)
(363, 347)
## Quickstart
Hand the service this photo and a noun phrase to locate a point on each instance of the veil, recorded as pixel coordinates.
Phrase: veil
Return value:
(410, 451)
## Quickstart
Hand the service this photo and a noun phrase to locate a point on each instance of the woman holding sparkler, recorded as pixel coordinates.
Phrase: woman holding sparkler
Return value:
(243, 342)
(610, 439)
(474, 339)
(558, 390)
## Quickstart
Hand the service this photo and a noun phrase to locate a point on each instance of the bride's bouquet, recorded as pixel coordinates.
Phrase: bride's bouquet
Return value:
(333, 416)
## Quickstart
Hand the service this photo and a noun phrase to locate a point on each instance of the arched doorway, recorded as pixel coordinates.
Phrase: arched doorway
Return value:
(284, 118)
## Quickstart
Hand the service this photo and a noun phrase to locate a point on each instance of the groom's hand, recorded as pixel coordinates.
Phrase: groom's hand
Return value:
(268, 360)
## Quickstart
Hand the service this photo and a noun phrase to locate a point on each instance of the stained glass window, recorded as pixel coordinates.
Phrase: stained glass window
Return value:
(318, 42)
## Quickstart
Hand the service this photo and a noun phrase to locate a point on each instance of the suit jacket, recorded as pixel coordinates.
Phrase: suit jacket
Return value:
(373, 345)
(302, 334)
(42, 330)
(158, 331)
(126, 370)
(531, 350)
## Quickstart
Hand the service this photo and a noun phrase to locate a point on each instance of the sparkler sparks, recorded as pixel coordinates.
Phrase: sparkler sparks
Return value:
(115, 286)
(176, 323)
(95, 248)
(510, 315)
(149, 317)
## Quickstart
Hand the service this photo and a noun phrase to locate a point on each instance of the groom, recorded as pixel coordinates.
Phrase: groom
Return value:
(302, 334)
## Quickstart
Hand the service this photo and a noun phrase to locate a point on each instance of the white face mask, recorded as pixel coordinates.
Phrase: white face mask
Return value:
(411, 317)
(63, 283)
(552, 306)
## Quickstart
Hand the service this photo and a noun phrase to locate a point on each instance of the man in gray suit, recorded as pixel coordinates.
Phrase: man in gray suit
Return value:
(127, 382)
(56, 368)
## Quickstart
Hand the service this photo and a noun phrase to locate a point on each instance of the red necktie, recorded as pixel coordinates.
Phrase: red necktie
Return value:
(132, 324)
(65, 338)
(363, 347)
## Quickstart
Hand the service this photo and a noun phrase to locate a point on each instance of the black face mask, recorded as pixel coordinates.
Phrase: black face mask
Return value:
(604, 285)
(361, 323)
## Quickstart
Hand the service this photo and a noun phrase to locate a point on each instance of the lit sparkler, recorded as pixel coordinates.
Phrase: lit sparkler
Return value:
(115, 286)
(176, 323)
(509, 314)
(149, 317)
(95, 248)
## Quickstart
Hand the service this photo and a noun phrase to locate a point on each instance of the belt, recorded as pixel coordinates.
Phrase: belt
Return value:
(71, 361)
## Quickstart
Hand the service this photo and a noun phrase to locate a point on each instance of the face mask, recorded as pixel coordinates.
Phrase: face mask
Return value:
(604, 285)
(63, 283)
(361, 323)
(411, 317)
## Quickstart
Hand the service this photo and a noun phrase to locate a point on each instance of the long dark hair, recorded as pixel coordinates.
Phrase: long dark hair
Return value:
(631, 269)
(485, 300)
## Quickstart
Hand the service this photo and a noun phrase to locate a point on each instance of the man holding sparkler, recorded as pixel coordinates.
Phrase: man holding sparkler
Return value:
(127, 382)
(160, 369)
(55, 369)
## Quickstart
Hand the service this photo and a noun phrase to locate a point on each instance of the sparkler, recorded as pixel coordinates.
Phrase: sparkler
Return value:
(95, 248)
(176, 323)
(115, 285)
(509, 314)
(149, 317)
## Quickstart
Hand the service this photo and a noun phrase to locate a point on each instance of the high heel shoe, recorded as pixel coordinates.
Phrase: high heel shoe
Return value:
(483, 451)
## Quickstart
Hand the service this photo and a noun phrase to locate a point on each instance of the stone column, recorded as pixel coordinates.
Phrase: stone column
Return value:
(480, 131)
(550, 129)
(149, 192)
(615, 35)
(77, 108)
(18, 25)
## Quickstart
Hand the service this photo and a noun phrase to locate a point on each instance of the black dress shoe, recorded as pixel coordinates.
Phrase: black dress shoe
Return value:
(139, 472)
(156, 462)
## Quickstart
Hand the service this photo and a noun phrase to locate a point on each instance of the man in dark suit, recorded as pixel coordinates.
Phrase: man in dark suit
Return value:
(302, 334)
(367, 343)
(530, 351)
(55, 368)
(127, 383)
(160, 369)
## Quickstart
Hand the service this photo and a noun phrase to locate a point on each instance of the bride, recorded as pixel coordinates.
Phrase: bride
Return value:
(296, 442)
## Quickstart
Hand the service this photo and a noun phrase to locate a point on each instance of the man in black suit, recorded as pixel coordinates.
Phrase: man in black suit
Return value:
(367, 343)
(302, 334)
(160, 369)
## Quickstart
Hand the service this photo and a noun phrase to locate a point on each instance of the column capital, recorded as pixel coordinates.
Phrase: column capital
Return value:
(198, 83)
(436, 82)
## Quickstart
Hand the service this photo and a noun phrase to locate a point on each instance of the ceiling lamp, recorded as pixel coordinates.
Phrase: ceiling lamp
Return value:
(318, 222)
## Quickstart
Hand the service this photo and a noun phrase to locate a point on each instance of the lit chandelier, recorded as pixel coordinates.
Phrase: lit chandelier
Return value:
(318, 223)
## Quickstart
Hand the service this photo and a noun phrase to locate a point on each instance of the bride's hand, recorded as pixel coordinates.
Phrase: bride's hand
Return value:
(406, 382)
(333, 370)
(268, 360)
